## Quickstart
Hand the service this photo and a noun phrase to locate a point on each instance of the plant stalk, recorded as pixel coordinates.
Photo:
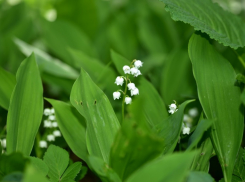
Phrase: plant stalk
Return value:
(124, 95)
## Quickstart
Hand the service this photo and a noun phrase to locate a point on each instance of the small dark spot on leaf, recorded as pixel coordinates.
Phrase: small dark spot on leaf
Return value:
(81, 103)
(95, 102)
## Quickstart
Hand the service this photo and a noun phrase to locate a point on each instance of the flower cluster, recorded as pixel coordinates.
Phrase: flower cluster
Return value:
(188, 119)
(133, 69)
(50, 123)
(172, 108)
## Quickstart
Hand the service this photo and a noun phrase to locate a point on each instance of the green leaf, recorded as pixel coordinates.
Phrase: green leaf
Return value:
(208, 17)
(199, 176)
(239, 168)
(119, 61)
(170, 128)
(32, 174)
(134, 146)
(177, 70)
(71, 172)
(202, 126)
(8, 82)
(13, 177)
(201, 160)
(82, 173)
(220, 100)
(25, 109)
(72, 126)
(102, 169)
(61, 35)
(12, 163)
(57, 159)
(101, 74)
(164, 169)
(46, 62)
(39, 165)
(102, 123)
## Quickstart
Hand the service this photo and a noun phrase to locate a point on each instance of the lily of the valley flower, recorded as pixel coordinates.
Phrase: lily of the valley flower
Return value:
(186, 130)
(47, 124)
(134, 71)
(131, 86)
(126, 69)
(54, 124)
(138, 64)
(116, 95)
(135, 91)
(57, 133)
(128, 100)
(119, 81)
(172, 108)
(4, 143)
(47, 112)
(50, 138)
(43, 144)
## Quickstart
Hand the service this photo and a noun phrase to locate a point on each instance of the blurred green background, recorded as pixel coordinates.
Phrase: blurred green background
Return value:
(68, 34)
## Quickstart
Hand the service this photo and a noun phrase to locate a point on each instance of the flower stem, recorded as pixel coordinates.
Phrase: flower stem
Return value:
(124, 95)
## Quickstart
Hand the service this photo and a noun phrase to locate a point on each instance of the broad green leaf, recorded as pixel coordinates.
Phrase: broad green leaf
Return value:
(134, 146)
(102, 169)
(239, 168)
(210, 18)
(199, 176)
(71, 172)
(201, 159)
(177, 82)
(47, 63)
(202, 126)
(39, 165)
(72, 126)
(61, 35)
(13, 177)
(32, 174)
(168, 168)
(220, 100)
(57, 159)
(153, 105)
(82, 173)
(8, 82)
(101, 74)
(102, 123)
(25, 109)
(12, 163)
(170, 128)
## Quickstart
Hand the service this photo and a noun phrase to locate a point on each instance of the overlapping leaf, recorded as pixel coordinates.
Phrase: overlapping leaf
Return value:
(220, 99)
(102, 123)
(208, 17)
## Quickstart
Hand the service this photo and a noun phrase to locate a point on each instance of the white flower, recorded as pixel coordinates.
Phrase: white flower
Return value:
(128, 100)
(131, 86)
(186, 130)
(135, 92)
(116, 95)
(172, 106)
(50, 138)
(43, 144)
(186, 118)
(47, 112)
(119, 81)
(51, 117)
(138, 64)
(51, 15)
(4, 143)
(57, 133)
(126, 69)
(171, 111)
(54, 124)
(47, 124)
(52, 111)
(134, 71)
(193, 112)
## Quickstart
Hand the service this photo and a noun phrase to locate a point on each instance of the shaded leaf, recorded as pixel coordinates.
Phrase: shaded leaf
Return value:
(39, 165)
(71, 172)
(8, 82)
(239, 168)
(199, 176)
(31, 175)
